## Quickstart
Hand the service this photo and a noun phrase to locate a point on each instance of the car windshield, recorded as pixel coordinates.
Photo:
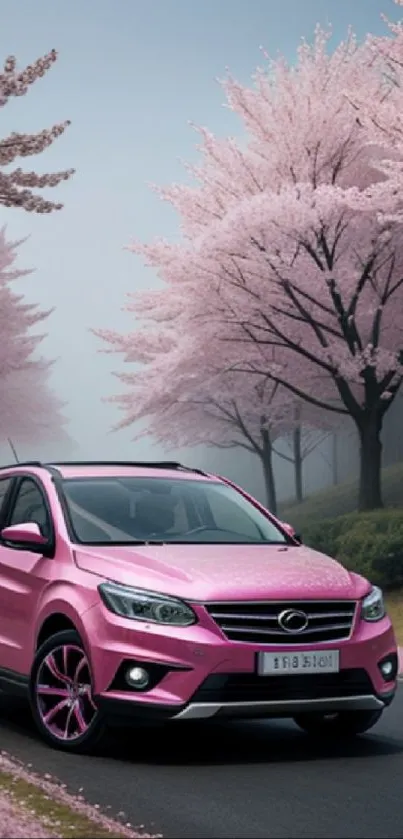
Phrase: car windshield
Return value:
(137, 510)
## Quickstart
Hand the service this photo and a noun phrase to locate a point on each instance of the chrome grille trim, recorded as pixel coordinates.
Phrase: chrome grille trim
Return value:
(256, 622)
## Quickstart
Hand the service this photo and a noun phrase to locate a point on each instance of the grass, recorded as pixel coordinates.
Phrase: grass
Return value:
(55, 815)
(342, 499)
(29, 801)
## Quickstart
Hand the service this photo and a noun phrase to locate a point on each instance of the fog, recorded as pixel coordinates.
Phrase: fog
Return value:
(130, 76)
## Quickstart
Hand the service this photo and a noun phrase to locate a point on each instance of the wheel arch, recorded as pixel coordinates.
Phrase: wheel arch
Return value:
(57, 615)
(55, 622)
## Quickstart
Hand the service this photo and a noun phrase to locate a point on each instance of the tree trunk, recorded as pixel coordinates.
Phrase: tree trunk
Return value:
(268, 472)
(370, 490)
(335, 459)
(298, 460)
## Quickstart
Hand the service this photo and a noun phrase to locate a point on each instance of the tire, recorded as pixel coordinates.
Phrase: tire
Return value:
(64, 712)
(338, 725)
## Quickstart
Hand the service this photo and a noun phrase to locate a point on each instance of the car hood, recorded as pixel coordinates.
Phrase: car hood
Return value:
(228, 572)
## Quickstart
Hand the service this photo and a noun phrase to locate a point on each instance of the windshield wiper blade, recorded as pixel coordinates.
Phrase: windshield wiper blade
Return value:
(132, 542)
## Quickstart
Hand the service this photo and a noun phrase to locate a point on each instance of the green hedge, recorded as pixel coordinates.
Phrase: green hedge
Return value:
(370, 544)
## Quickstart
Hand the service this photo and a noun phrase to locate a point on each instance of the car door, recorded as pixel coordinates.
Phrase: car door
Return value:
(23, 575)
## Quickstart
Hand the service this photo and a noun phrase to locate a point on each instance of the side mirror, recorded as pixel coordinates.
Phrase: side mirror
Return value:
(26, 535)
(291, 532)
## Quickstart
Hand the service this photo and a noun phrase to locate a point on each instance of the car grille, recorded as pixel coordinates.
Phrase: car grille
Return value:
(258, 623)
(250, 687)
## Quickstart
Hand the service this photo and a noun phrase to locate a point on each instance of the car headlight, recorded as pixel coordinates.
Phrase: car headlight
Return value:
(147, 606)
(373, 607)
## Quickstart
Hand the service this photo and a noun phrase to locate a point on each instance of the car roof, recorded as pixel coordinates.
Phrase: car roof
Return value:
(108, 468)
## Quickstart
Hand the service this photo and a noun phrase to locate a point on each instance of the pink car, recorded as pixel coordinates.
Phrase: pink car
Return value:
(133, 592)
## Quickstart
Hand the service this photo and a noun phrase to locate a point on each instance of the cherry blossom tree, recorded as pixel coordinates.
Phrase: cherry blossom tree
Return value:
(288, 245)
(337, 317)
(379, 109)
(16, 186)
(29, 411)
(190, 398)
(291, 249)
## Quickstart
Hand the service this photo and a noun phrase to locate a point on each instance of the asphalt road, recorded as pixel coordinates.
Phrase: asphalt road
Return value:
(242, 781)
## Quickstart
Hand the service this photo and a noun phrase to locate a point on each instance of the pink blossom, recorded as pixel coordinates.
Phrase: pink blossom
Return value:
(29, 410)
(17, 822)
(15, 185)
(290, 266)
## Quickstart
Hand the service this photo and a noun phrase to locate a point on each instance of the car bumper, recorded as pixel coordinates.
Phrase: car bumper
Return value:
(122, 712)
(201, 675)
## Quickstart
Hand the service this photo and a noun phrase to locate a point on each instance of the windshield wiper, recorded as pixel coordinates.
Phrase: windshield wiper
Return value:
(129, 543)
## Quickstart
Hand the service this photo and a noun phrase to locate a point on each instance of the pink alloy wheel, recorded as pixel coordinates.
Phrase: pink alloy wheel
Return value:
(64, 693)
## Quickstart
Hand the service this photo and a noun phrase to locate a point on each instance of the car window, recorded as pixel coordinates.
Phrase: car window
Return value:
(140, 509)
(5, 484)
(29, 506)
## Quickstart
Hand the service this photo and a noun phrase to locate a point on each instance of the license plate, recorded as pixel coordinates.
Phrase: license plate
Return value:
(274, 664)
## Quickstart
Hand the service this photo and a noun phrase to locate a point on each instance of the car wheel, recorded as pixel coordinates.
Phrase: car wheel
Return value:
(342, 724)
(61, 695)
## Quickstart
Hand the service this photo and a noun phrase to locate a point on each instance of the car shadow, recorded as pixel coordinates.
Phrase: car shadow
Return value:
(213, 743)
(238, 743)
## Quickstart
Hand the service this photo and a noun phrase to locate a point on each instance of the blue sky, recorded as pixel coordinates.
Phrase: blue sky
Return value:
(131, 74)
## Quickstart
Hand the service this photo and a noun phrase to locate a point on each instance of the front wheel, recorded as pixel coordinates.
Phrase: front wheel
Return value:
(61, 695)
(340, 724)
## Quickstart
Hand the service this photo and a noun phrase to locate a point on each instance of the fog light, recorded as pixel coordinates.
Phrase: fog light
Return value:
(388, 667)
(137, 678)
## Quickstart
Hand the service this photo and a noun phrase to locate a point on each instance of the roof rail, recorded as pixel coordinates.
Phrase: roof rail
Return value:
(160, 464)
(53, 466)
(36, 463)
(145, 464)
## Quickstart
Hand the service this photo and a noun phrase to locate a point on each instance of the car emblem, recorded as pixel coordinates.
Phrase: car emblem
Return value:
(291, 620)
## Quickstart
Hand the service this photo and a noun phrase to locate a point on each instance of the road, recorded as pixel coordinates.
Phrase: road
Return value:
(243, 781)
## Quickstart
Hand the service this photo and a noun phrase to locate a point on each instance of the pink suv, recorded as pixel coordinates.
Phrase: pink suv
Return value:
(135, 592)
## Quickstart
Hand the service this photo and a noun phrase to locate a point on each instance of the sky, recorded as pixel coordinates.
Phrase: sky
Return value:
(131, 76)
